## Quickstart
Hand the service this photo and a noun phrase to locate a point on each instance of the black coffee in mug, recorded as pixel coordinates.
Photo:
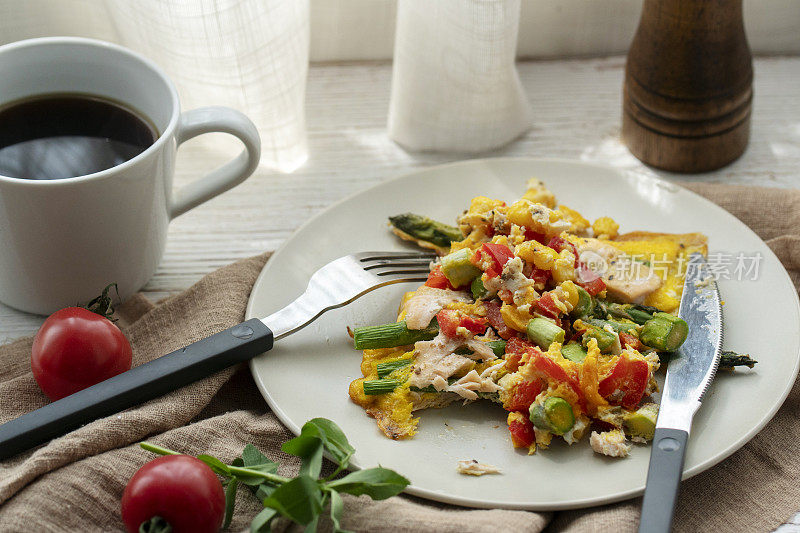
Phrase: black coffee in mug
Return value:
(57, 136)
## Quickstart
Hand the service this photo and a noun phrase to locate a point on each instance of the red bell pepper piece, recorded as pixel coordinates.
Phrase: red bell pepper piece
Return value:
(476, 325)
(539, 275)
(630, 377)
(496, 320)
(515, 349)
(547, 306)
(524, 395)
(549, 369)
(522, 435)
(450, 320)
(531, 235)
(559, 243)
(438, 280)
(630, 341)
(590, 280)
(500, 254)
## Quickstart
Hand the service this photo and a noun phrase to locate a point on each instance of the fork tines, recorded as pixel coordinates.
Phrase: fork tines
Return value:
(374, 256)
(396, 263)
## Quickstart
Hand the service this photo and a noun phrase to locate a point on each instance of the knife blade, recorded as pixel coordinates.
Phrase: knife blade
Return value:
(690, 372)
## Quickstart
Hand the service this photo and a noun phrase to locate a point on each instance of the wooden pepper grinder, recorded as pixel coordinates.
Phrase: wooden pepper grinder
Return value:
(688, 85)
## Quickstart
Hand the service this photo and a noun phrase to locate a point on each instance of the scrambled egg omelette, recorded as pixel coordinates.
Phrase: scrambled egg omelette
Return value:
(532, 306)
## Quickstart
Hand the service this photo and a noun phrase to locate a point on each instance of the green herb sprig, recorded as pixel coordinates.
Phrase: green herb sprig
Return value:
(301, 499)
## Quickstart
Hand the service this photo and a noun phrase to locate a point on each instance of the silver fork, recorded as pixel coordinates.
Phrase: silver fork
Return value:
(334, 285)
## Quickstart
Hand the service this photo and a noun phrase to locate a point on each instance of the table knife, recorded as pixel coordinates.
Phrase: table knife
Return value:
(690, 372)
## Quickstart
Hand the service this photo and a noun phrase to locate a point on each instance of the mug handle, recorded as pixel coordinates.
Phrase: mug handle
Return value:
(216, 119)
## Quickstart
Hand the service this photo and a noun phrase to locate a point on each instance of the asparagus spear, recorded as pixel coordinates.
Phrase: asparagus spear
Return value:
(635, 312)
(384, 386)
(384, 369)
(605, 340)
(392, 335)
(616, 325)
(381, 386)
(458, 268)
(426, 229)
(642, 422)
(544, 333)
(398, 334)
(498, 347)
(554, 415)
(478, 289)
(664, 332)
(574, 352)
(585, 305)
(731, 359)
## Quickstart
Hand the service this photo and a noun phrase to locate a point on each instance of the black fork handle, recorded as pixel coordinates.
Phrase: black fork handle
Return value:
(144, 382)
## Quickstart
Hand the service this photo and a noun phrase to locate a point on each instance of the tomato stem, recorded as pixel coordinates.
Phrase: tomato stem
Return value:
(155, 525)
(157, 449)
(275, 478)
(102, 305)
(257, 473)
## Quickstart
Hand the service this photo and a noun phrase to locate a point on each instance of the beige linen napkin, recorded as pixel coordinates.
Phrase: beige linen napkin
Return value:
(75, 482)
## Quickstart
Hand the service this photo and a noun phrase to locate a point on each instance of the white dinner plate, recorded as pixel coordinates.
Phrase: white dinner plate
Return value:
(307, 374)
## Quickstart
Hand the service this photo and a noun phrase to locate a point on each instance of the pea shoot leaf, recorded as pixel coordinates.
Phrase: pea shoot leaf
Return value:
(337, 508)
(260, 523)
(253, 459)
(230, 501)
(331, 436)
(312, 463)
(215, 464)
(299, 500)
(263, 491)
(377, 483)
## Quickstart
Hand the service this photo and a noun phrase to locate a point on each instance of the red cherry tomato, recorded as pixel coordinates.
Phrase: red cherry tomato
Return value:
(181, 489)
(76, 348)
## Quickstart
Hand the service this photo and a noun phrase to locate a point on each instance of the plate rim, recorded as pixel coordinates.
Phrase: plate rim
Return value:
(572, 504)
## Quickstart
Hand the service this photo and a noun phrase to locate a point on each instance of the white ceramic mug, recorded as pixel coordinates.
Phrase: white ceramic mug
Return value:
(62, 241)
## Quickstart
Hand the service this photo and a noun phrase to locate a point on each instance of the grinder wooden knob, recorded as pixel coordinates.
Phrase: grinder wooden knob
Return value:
(688, 85)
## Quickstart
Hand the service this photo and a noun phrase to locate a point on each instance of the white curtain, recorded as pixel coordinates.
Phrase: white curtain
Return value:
(454, 84)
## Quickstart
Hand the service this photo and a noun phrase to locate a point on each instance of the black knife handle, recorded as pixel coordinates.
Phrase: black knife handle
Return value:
(663, 478)
(144, 382)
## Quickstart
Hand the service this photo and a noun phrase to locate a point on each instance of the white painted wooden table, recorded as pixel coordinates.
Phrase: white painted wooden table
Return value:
(576, 104)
